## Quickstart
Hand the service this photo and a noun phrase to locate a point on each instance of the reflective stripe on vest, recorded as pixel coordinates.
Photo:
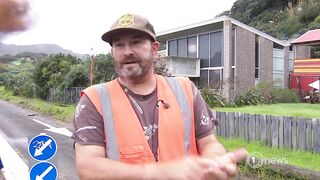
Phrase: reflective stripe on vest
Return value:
(112, 150)
(110, 133)
(184, 108)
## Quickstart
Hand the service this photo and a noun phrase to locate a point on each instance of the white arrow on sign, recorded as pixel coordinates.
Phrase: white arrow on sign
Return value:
(62, 131)
(38, 152)
(44, 173)
(315, 84)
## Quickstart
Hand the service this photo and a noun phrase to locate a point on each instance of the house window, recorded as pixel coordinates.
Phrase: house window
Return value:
(257, 58)
(216, 59)
(182, 47)
(204, 77)
(172, 48)
(215, 77)
(204, 50)
(192, 47)
(291, 61)
(233, 46)
(278, 67)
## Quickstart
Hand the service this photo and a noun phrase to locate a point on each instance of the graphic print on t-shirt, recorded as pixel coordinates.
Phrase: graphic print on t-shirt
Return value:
(205, 120)
(149, 131)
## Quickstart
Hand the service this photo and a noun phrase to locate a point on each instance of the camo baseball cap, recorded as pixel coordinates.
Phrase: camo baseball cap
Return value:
(130, 22)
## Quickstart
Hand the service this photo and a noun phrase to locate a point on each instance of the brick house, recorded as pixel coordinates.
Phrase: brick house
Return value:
(226, 54)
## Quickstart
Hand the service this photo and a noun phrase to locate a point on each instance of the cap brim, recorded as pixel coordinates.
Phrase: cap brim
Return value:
(108, 36)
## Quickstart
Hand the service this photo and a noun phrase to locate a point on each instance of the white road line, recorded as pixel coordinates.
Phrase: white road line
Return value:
(14, 167)
(40, 122)
(62, 131)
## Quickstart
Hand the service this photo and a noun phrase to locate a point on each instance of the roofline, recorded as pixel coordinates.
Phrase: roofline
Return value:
(310, 31)
(220, 19)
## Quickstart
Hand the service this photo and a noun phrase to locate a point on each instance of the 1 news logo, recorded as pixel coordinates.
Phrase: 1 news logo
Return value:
(42, 148)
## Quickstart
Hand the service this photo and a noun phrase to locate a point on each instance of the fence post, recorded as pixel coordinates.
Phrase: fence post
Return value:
(227, 124)
(258, 127)
(223, 124)
(287, 136)
(316, 135)
(251, 128)
(241, 125)
(231, 123)
(309, 134)
(219, 123)
(275, 131)
(302, 133)
(281, 131)
(269, 129)
(263, 127)
(294, 133)
(237, 126)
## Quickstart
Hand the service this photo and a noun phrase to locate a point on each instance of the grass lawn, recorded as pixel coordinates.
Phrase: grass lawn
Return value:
(297, 110)
(60, 112)
(298, 158)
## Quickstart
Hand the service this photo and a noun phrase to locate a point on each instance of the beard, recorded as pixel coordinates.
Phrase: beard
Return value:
(139, 68)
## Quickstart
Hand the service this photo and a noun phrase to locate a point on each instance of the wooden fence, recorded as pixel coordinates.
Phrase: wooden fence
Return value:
(276, 131)
(67, 96)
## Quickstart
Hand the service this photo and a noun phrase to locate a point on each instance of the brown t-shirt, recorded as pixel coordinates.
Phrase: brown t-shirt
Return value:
(88, 123)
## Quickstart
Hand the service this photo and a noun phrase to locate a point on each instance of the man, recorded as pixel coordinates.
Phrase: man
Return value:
(145, 126)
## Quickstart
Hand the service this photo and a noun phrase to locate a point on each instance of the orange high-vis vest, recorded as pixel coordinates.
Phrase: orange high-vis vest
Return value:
(124, 137)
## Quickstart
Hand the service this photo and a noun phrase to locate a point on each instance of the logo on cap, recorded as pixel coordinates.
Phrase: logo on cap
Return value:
(126, 20)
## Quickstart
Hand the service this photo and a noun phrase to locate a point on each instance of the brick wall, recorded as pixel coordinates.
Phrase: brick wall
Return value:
(286, 67)
(266, 59)
(245, 56)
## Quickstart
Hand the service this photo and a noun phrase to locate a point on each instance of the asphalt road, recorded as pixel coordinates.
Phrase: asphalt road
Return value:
(18, 126)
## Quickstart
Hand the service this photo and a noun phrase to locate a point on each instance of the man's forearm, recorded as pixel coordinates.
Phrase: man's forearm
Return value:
(213, 150)
(210, 147)
(103, 168)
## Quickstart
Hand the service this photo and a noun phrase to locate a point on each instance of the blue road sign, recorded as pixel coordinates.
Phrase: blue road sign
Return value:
(42, 147)
(43, 171)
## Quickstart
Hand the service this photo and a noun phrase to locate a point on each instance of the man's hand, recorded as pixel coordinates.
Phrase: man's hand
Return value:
(13, 15)
(225, 167)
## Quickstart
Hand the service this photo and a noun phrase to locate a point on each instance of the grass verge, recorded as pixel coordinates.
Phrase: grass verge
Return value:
(58, 111)
(298, 158)
(284, 109)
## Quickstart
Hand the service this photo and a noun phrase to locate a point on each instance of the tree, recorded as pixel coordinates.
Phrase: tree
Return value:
(77, 77)
(51, 73)
(104, 68)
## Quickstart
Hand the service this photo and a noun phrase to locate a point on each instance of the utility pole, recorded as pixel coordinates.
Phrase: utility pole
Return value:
(92, 61)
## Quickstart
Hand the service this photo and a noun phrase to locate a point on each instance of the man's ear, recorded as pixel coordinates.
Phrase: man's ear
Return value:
(112, 53)
(155, 47)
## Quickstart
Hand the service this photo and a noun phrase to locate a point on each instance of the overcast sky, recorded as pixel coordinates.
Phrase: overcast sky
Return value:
(78, 24)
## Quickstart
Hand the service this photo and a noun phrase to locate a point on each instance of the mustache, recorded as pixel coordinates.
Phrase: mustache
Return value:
(13, 15)
(130, 59)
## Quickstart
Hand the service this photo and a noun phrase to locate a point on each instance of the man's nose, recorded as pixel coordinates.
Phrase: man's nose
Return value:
(128, 50)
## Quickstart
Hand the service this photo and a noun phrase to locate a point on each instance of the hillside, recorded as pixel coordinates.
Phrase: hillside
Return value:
(283, 19)
(37, 48)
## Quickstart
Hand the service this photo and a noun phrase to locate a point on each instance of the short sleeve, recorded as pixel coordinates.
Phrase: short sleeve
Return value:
(88, 124)
(204, 118)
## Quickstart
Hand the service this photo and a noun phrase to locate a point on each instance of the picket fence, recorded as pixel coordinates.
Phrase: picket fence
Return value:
(276, 131)
(67, 96)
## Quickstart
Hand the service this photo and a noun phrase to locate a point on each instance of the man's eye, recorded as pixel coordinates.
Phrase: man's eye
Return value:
(117, 44)
(136, 42)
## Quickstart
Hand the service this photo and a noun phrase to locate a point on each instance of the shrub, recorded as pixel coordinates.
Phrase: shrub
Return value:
(266, 93)
(251, 97)
(284, 95)
(213, 97)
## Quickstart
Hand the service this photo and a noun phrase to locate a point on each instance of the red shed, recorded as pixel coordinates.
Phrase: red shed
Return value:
(306, 71)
